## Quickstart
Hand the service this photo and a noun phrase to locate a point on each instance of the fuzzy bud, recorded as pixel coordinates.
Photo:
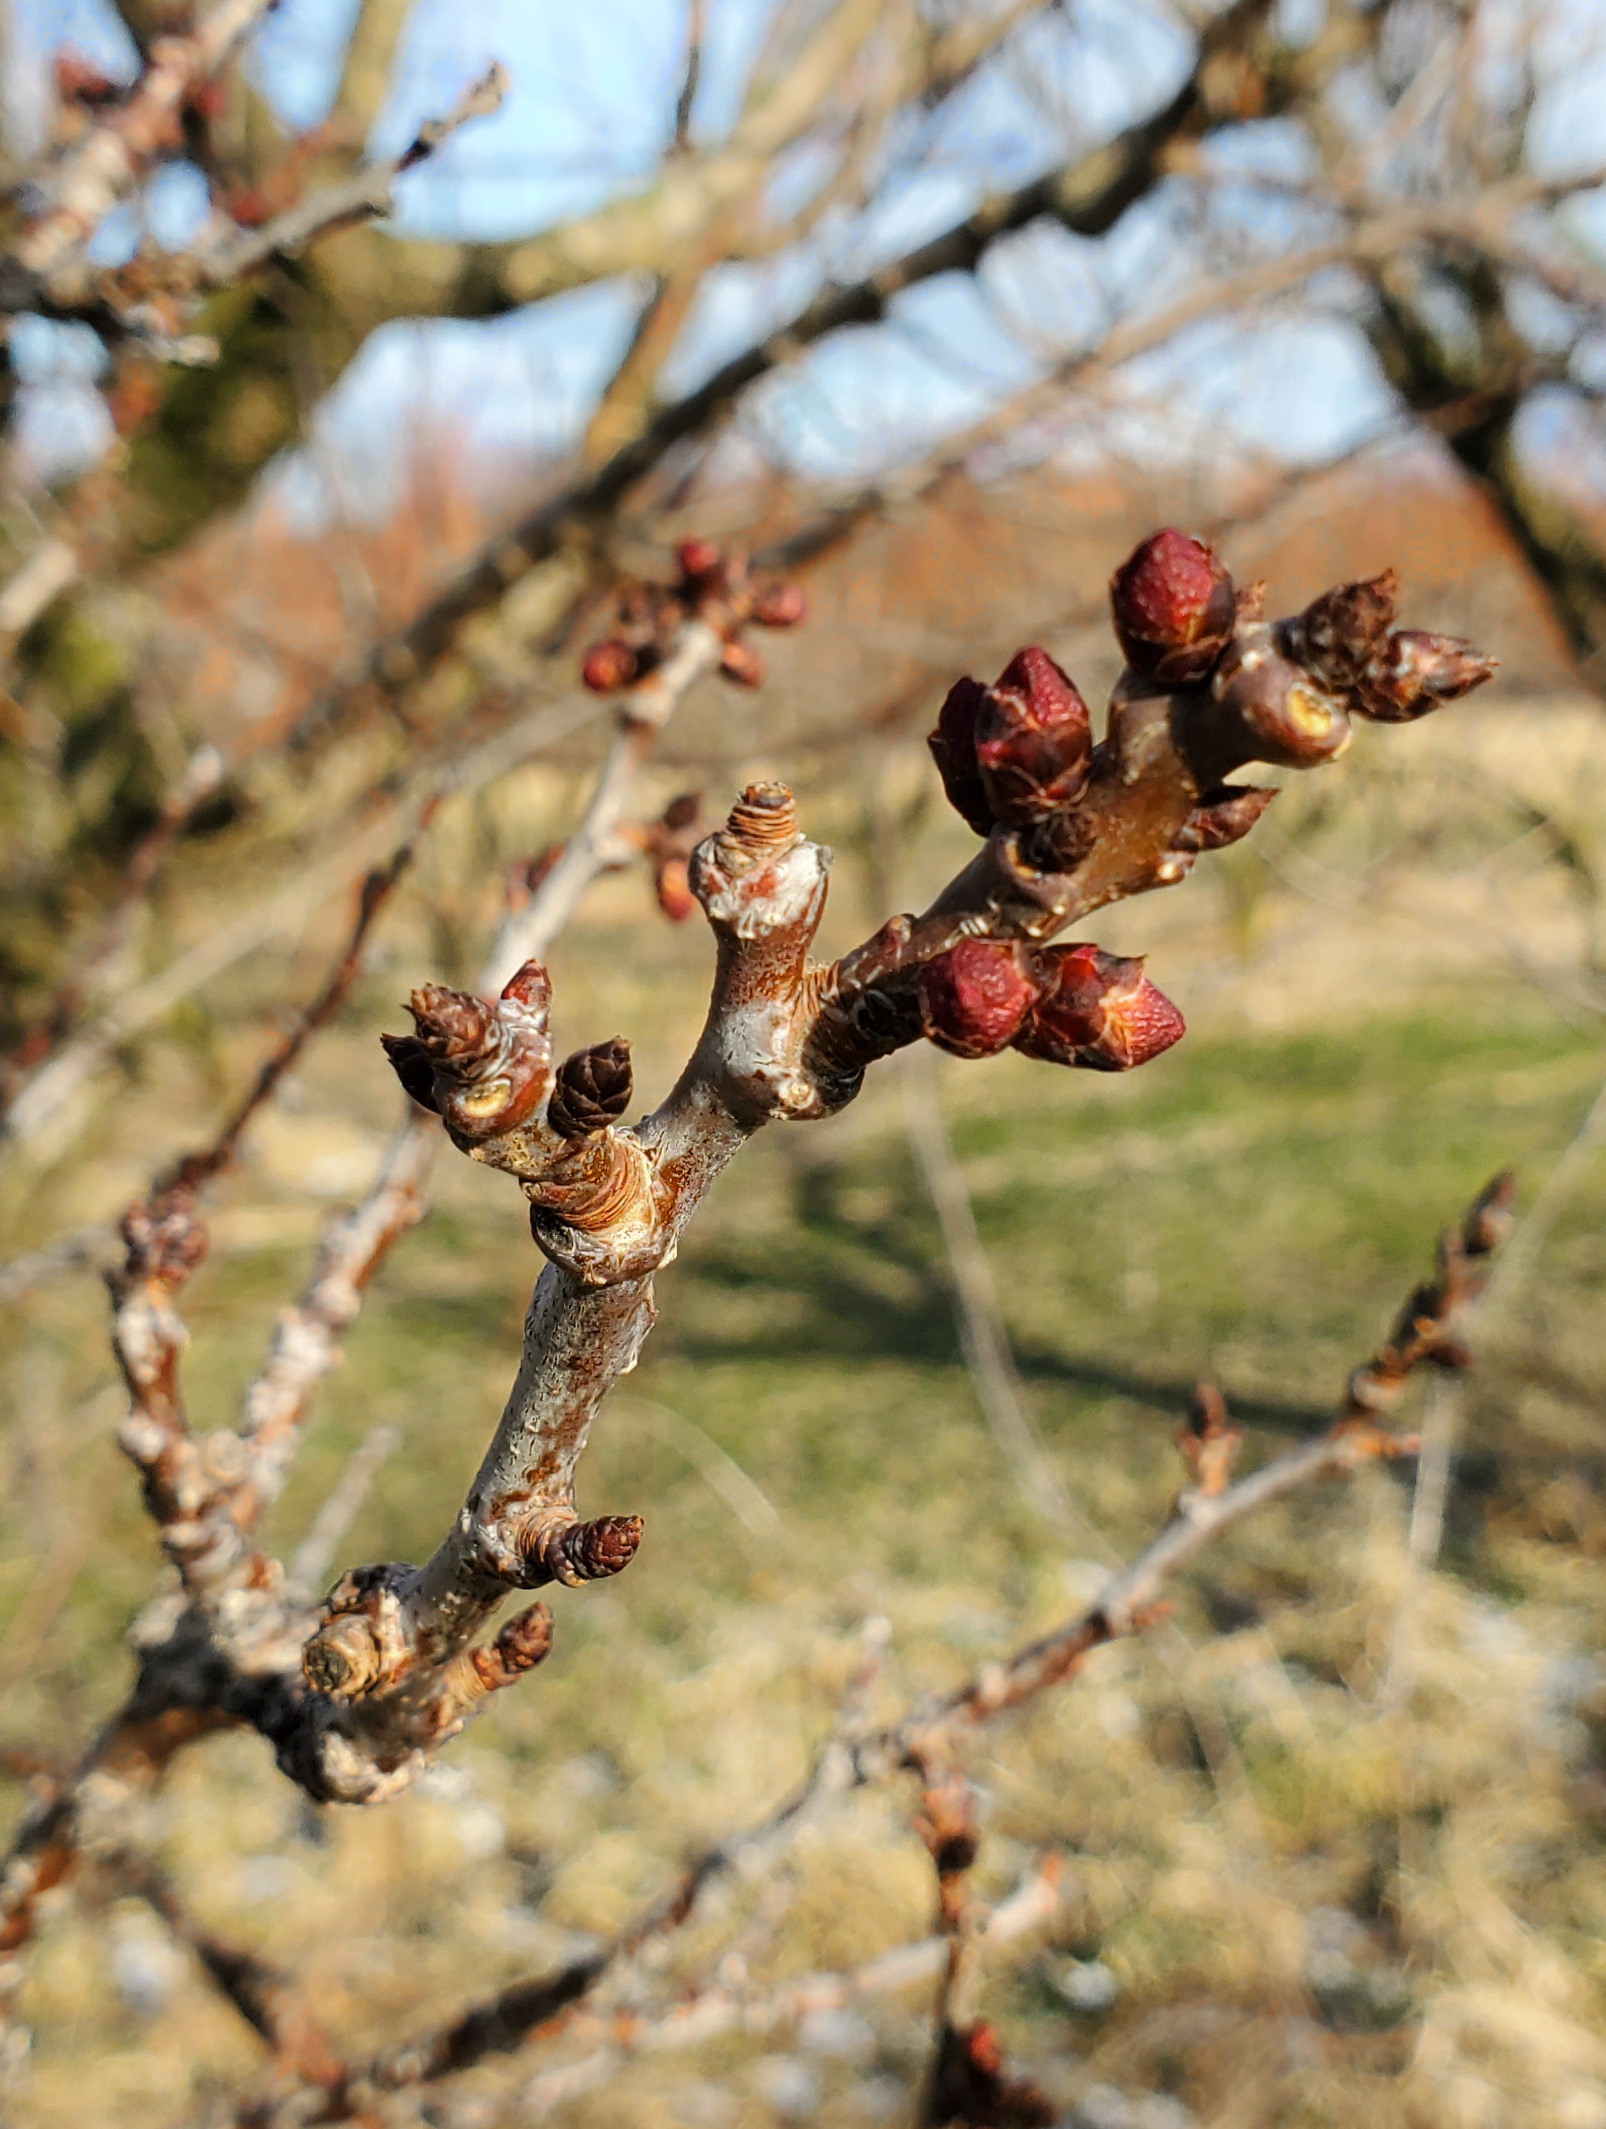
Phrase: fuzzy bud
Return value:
(1173, 607)
(974, 997)
(1415, 672)
(1033, 739)
(697, 559)
(609, 666)
(489, 1065)
(1339, 634)
(739, 663)
(953, 749)
(780, 606)
(1274, 709)
(1099, 1010)
(593, 1089)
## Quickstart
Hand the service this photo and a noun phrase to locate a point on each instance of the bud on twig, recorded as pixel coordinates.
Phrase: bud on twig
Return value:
(1339, 634)
(489, 1066)
(779, 606)
(573, 1553)
(739, 662)
(974, 997)
(1223, 816)
(1033, 739)
(593, 1089)
(1173, 607)
(1416, 672)
(609, 666)
(1283, 715)
(1209, 1442)
(1099, 1011)
(953, 749)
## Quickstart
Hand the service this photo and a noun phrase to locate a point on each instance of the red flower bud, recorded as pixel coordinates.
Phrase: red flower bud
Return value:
(1099, 1010)
(953, 749)
(1414, 672)
(739, 663)
(779, 606)
(1033, 739)
(609, 666)
(974, 997)
(697, 558)
(1273, 710)
(1173, 606)
(1338, 635)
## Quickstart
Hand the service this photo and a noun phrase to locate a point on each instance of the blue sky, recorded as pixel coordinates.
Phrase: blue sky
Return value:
(590, 110)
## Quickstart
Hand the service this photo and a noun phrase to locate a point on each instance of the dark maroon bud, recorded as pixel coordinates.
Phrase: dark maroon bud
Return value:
(609, 666)
(697, 558)
(740, 663)
(490, 1065)
(588, 1552)
(1223, 815)
(1414, 672)
(1033, 740)
(681, 811)
(953, 749)
(974, 997)
(1098, 1010)
(1339, 634)
(780, 606)
(410, 1062)
(593, 1089)
(1174, 608)
(1273, 710)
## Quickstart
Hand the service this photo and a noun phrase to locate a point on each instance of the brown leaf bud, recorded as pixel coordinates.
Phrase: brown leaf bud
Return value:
(490, 1065)
(165, 1239)
(1338, 635)
(779, 606)
(1033, 739)
(698, 559)
(1098, 1010)
(1280, 713)
(763, 819)
(1415, 672)
(953, 749)
(1173, 607)
(1223, 815)
(609, 666)
(671, 885)
(593, 1089)
(974, 997)
(739, 662)
(587, 1552)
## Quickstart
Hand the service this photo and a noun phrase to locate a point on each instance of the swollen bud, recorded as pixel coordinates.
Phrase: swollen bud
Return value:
(779, 606)
(697, 558)
(1033, 739)
(953, 749)
(738, 663)
(1415, 672)
(974, 997)
(1099, 1011)
(1274, 709)
(593, 1089)
(609, 666)
(1173, 607)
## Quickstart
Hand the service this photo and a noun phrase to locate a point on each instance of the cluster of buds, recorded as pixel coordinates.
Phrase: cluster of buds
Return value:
(1070, 1005)
(483, 1067)
(712, 585)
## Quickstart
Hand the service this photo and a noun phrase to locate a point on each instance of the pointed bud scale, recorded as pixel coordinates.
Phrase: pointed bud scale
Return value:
(1223, 815)
(593, 1089)
(780, 606)
(974, 997)
(737, 662)
(1099, 1011)
(1338, 635)
(609, 666)
(1173, 606)
(409, 1061)
(1415, 672)
(1034, 740)
(953, 749)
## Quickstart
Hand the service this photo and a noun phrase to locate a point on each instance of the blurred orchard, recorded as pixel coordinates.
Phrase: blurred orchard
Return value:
(449, 456)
